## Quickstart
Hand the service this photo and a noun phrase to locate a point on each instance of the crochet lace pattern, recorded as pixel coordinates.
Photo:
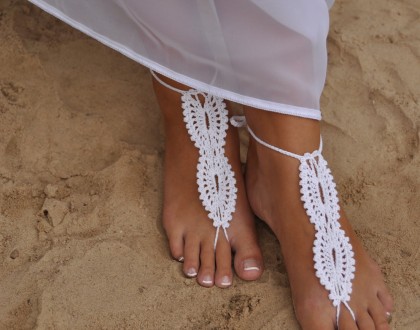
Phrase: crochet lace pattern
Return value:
(333, 254)
(206, 119)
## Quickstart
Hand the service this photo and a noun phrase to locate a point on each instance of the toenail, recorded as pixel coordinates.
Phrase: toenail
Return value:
(207, 280)
(388, 317)
(191, 272)
(181, 259)
(226, 281)
(251, 264)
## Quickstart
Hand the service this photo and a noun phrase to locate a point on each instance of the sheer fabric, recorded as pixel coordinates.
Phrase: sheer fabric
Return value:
(269, 54)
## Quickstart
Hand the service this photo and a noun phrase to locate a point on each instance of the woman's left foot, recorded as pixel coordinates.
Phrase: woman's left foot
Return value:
(274, 194)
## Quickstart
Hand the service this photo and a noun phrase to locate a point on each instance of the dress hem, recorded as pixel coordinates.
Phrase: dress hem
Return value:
(193, 83)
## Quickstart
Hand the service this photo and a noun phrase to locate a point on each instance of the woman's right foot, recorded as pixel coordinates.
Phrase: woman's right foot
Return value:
(190, 231)
(272, 182)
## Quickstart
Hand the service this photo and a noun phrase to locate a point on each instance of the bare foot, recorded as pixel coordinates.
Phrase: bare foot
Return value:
(190, 231)
(272, 182)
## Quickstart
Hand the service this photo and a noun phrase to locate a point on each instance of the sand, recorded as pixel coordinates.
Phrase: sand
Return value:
(81, 242)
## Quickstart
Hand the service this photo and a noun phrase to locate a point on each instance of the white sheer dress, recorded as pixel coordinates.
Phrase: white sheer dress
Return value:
(269, 54)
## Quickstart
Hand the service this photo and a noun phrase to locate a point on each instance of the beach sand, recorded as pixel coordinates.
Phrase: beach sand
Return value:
(81, 146)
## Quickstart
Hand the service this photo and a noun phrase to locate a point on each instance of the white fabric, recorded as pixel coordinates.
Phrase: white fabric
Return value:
(269, 54)
(333, 254)
(330, 3)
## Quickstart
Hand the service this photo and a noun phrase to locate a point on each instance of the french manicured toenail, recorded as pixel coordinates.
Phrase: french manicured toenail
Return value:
(207, 280)
(226, 281)
(181, 259)
(191, 272)
(251, 264)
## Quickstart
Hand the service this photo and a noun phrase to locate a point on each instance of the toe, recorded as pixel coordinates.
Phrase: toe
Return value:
(379, 316)
(248, 258)
(346, 321)
(365, 321)
(223, 276)
(191, 256)
(176, 246)
(206, 272)
(386, 300)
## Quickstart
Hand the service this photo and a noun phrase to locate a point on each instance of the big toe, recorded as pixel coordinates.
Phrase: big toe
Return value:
(248, 258)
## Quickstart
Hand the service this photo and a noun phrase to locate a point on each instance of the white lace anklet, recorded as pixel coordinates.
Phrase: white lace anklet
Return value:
(333, 253)
(207, 123)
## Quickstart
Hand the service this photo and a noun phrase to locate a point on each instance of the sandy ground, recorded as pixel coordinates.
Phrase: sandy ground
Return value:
(81, 242)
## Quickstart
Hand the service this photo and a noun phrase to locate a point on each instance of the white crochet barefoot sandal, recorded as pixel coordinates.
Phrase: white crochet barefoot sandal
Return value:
(207, 123)
(333, 253)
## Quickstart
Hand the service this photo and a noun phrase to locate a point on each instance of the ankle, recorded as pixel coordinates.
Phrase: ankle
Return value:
(294, 134)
